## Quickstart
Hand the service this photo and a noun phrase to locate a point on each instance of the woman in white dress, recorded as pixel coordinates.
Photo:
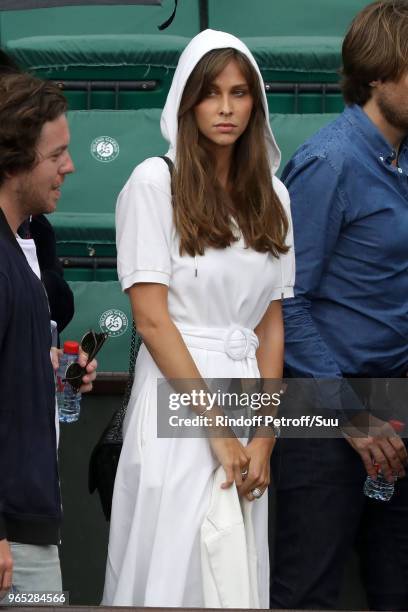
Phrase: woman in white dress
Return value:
(205, 271)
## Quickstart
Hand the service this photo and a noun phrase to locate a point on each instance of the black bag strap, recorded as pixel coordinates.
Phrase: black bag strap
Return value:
(168, 162)
(114, 431)
(135, 344)
(169, 21)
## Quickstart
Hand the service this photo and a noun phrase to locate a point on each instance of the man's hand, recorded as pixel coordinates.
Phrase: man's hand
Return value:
(381, 447)
(55, 357)
(6, 567)
(90, 375)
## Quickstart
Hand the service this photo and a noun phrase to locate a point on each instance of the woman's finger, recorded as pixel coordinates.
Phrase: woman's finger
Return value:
(230, 478)
(256, 493)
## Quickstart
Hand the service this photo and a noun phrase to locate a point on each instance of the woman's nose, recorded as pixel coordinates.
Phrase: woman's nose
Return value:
(225, 107)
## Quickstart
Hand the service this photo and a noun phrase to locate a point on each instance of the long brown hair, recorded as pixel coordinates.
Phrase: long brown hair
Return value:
(202, 208)
(375, 48)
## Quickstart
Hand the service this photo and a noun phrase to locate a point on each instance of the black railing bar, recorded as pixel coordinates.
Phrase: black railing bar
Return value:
(117, 95)
(324, 94)
(92, 263)
(107, 85)
(114, 86)
(296, 99)
(272, 87)
(88, 95)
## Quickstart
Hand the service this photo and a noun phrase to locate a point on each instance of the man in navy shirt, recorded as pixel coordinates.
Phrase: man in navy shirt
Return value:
(349, 318)
(34, 139)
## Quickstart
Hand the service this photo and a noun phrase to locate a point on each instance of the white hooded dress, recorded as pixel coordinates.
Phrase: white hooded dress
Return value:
(163, 485)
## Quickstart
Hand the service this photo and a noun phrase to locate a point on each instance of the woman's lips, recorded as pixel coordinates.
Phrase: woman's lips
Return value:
(225, 127)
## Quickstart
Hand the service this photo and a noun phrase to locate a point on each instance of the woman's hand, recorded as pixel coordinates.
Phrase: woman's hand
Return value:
(259, 451)
(233, 458)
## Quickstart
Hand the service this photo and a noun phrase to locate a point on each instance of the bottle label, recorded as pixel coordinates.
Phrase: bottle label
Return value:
(60, 384)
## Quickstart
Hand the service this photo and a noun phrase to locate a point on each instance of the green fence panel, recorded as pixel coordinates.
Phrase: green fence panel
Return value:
(294, 41)
(140, 68)
(90, 274)
(300, 102)
(89, 20)
(297, 58)
(283, 17)
(145, 61)
(305, 65)
(102, 306)
(291, 131)
(105, 147)
(87, 52)
(82, 45)
(113, 57)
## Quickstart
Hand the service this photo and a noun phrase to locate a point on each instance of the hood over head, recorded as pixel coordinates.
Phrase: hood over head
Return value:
(196, 49)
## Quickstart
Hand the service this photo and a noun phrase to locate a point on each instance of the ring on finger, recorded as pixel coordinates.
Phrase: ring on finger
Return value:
(257, 493)
(244, 472)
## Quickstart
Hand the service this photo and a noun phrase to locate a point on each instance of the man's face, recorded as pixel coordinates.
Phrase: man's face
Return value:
(392, 100)
(39, 189)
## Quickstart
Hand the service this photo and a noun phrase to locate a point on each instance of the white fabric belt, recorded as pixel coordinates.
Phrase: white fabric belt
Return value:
(237, 342)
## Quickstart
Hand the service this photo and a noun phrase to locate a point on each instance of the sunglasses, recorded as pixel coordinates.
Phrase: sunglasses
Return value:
(91, 344)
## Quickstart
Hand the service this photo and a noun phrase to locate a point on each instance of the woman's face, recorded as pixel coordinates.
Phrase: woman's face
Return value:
(223, 114)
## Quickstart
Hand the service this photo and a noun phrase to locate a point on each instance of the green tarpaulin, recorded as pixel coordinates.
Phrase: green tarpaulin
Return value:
(63, 53)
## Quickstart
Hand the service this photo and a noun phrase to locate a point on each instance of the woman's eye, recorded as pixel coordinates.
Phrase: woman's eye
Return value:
(240, 93)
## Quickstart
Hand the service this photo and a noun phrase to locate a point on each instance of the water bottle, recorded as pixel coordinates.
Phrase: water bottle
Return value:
(69, 402)
(380, 489)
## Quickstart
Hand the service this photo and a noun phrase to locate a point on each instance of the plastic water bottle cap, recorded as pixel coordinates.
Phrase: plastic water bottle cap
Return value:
(71, 347)
(397, 426)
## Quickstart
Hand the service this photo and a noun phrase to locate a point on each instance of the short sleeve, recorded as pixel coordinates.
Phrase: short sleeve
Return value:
(144, 222)
(286, 260)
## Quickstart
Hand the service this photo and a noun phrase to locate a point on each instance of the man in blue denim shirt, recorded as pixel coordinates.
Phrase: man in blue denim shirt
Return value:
(349, 317)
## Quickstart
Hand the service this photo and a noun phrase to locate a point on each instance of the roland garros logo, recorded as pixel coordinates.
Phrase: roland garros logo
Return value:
(114, 322)
(105, 149)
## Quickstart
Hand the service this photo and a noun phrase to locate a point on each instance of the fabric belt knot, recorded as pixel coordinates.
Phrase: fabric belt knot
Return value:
(235, 341)
(240, 342)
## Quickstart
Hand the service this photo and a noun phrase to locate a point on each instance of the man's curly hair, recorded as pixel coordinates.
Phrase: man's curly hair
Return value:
(26, 104)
